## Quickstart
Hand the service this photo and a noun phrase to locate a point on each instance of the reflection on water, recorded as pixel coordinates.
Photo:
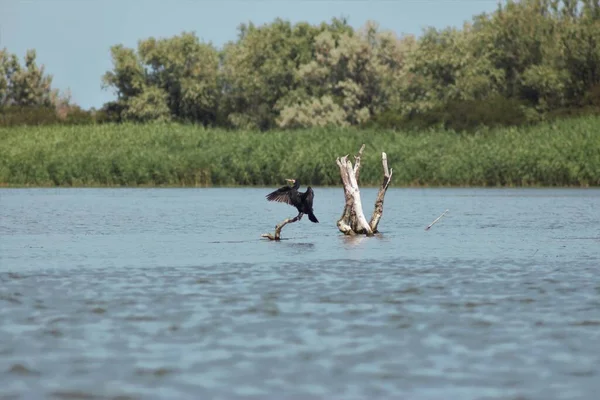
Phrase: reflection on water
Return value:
(163, 294)
(299, 245)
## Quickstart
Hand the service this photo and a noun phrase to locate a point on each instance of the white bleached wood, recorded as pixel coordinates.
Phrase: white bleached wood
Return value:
(378, 210)
(353, 220)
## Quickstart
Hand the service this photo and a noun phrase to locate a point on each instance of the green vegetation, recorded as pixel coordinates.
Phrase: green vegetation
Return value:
(27, 97)
(527, 62)
(566, 153)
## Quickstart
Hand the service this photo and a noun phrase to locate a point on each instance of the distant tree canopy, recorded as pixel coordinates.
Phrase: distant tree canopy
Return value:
(25, 85)
(525, 62)
(175, 78)
(27, 96)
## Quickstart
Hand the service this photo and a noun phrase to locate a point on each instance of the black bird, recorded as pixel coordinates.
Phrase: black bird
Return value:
(290, 195)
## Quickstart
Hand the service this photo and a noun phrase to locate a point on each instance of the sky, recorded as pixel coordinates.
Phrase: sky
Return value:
(72, 38)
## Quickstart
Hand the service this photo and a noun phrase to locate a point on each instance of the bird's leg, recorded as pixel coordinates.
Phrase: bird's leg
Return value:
(298, 217)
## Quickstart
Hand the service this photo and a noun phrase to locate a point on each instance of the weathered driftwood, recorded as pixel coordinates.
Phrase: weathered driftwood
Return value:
(353, 220)
(279, 227)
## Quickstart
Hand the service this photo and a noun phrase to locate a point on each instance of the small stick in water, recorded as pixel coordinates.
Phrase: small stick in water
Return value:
(535, 252)
(436, 220)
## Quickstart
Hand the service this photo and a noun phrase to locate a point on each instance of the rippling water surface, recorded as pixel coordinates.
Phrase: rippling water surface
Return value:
(171, 293)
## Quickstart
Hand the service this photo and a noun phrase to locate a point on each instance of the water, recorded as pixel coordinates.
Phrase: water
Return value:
(171, 293)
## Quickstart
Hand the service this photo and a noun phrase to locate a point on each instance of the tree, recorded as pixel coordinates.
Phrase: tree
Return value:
(580, 48)
(260, 68)
(349, 79)
(150, 105)
(5, 70)
(539, 55)
(516, 65)
(167, 78)
(27, 85)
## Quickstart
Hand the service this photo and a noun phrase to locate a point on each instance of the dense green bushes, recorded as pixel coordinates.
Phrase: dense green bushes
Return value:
(12, 116)
(550, 154)
(33, 116)
(460, 116)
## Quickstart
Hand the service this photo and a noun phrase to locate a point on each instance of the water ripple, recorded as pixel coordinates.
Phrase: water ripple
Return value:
(128, 305)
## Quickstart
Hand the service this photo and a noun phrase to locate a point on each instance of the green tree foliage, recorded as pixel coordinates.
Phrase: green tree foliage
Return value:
(165, 78)
(27, 96)
(128, 76)
(25, 85)
(539, 55)
(5, 71)
(149, 105)
(528, 60)
(350, 78)
(261, 68)
(580, 44)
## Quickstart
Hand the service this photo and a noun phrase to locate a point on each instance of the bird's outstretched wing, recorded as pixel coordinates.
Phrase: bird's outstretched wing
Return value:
(281, 195)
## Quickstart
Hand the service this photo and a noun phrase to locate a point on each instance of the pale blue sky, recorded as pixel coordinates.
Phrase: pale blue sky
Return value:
(73, 37)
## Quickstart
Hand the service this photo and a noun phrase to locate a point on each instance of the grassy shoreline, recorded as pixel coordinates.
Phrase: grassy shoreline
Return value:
(560, 154)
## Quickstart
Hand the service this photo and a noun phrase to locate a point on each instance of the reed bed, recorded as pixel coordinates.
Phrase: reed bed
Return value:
(563, 153)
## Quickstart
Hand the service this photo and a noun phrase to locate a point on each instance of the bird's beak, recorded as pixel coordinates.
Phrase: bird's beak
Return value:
(291, 180)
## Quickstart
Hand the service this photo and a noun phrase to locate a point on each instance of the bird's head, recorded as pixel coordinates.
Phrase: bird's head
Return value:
(291, 181)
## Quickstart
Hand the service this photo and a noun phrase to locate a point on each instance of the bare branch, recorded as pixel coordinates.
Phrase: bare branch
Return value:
(279, 227)
(357, 161)
(384, 163)
(378, 210)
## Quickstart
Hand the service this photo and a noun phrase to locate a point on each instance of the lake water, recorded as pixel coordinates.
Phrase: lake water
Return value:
(172, 293)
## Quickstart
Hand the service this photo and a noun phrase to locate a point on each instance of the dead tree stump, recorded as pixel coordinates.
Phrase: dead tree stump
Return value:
(353, 221)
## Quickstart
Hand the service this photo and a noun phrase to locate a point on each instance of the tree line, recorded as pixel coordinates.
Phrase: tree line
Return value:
(526, 62)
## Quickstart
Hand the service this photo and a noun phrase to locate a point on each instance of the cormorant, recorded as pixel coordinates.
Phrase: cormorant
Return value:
(290, 195)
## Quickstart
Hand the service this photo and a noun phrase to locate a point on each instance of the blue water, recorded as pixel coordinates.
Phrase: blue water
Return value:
(172, 293)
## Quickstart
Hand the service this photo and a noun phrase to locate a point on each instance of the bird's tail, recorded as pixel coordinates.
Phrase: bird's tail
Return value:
(312, 218)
